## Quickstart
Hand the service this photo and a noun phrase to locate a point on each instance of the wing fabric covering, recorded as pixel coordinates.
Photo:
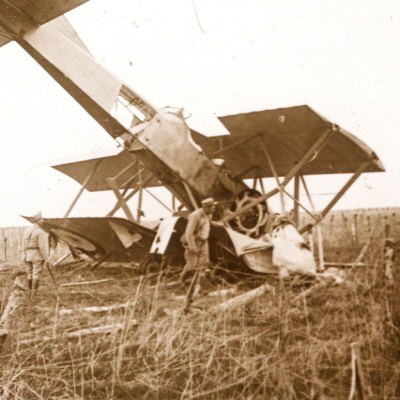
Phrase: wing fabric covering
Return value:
(103, 236)
(4, 37)
(287, 134)
(122, 168)
(42, 11)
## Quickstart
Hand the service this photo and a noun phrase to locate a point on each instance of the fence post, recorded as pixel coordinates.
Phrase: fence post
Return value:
(354, 228)
(311, 240)
(392, 278)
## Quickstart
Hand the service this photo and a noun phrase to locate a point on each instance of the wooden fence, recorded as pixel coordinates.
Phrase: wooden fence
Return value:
(11, 246)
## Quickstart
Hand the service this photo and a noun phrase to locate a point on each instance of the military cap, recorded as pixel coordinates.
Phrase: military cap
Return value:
(37, 217)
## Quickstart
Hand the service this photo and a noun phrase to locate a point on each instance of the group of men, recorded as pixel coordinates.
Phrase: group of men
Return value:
(195, 242)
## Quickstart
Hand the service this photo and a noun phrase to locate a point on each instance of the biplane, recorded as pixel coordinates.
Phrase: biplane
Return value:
(159, 148)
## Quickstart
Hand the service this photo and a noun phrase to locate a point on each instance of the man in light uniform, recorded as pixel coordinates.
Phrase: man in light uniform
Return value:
(36, 252)
(195, 240)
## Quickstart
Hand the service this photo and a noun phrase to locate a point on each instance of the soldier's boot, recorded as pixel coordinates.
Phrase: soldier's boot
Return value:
(183, 274)
(197, 289)
(35, 287)
(29, 282)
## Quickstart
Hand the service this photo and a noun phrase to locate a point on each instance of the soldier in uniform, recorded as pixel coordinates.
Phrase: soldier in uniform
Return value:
(36, 252)
(195, 239)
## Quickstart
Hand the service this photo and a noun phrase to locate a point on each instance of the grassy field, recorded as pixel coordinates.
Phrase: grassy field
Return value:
(294, 342)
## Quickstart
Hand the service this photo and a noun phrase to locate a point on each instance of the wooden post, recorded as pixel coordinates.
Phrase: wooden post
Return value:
(387, 228)
(358, 388)
(320, 249)
(369, 225)
(319, 231)
(140, 199)
(331, 223)
(354, 228)
(392, 278)
(311, 241)
(296, 201)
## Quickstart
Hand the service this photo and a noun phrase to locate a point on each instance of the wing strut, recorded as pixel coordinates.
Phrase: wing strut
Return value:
(363, 167)
(319, 231)
(272, 167)
(191, 196)
(317, 146)
(84, 184)
(123, 200)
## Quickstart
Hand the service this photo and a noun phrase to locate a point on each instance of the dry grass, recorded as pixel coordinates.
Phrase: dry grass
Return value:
(279, 346)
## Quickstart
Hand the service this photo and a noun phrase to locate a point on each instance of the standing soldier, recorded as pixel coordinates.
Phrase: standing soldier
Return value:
(195, 240)
(36, 252)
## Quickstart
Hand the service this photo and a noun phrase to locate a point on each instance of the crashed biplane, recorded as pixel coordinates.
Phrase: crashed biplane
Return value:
(160, 149)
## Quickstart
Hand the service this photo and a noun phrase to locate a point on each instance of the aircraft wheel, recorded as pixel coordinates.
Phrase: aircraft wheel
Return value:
(148, 264)
(250, 222)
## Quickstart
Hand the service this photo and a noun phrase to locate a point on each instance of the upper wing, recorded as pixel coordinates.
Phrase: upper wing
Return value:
(287, 134)
(42, 11)
(38, 12)
(4, 37)
(124, 168)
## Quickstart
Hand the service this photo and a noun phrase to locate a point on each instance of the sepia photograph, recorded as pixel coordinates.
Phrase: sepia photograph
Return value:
(201, 199)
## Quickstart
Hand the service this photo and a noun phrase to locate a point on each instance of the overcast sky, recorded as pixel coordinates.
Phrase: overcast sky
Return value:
(212, 57)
